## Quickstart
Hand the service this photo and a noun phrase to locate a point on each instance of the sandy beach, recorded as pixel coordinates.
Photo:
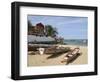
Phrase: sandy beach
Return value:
(44, 60)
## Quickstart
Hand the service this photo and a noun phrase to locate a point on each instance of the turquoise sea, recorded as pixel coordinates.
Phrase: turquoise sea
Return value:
(81, 42)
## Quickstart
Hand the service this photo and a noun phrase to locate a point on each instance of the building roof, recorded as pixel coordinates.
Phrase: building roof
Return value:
(40, 24)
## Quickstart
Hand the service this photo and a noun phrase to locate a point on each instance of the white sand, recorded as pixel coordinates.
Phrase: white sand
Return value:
(41, 60)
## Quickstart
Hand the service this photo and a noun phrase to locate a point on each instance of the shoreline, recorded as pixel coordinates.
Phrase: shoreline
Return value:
(62, 45)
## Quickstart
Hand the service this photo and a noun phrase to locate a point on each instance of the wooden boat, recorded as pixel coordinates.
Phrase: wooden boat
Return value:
(72, 55)
(55, 50)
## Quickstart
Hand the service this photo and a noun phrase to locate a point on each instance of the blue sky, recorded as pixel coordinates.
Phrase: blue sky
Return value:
(68, 27)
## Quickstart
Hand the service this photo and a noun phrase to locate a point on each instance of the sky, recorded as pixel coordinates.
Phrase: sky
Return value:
(68, 27)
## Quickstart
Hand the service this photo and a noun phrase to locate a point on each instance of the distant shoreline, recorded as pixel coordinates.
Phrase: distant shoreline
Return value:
(48, 40)
(50, 44)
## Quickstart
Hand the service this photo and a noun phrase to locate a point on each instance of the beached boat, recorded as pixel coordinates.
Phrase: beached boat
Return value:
(72, 55)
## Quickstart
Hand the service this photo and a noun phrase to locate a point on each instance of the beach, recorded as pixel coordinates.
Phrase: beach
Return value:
(44, 60)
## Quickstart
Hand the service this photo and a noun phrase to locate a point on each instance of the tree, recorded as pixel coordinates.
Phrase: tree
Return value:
(51, 31)
(29, 24)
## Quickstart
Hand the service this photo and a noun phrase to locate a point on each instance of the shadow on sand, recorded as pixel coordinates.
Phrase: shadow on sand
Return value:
(54, 55)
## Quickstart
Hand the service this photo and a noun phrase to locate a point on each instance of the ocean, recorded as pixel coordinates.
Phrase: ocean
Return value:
(80, 42)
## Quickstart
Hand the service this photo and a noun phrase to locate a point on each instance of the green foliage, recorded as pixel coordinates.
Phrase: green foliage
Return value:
(29, 24)
(51, 31)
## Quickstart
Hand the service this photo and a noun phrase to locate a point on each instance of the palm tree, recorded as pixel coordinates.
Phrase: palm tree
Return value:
(51, 31)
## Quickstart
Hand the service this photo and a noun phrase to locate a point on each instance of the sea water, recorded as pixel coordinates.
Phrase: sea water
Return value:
(80, 42)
